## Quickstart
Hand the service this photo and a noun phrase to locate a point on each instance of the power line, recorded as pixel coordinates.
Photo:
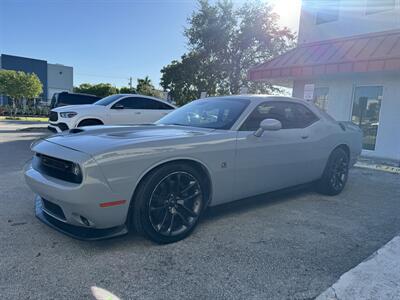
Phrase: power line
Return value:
(102, 76)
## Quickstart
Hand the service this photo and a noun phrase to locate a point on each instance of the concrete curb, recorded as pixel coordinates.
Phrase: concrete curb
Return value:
(377, 277)
(378, 167)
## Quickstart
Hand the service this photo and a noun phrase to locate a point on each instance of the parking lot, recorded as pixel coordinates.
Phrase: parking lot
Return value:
(288, 245)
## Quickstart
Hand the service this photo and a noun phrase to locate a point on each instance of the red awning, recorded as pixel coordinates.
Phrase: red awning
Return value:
(360, 54)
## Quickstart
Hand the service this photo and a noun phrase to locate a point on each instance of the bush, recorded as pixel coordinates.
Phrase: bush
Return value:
(28, 111)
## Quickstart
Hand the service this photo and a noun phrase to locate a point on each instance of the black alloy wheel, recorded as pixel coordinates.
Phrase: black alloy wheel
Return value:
(169, 202)
(339, 173)
(335, 174)
(174, 206)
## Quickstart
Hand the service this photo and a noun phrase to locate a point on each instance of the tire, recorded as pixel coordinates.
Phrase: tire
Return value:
(90, 122)
(335, 174)
(175, 194)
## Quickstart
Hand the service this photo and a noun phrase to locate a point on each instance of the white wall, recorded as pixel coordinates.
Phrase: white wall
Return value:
(59, 78)
(340, 105)
(352, 20)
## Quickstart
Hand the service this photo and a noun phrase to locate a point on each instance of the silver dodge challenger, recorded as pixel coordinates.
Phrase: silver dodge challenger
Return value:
(101, 181)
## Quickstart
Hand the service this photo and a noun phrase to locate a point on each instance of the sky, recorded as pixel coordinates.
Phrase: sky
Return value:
(107, 40)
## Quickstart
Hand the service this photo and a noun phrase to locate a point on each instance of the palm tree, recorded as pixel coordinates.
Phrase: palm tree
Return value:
(145, 87)
(145, 82)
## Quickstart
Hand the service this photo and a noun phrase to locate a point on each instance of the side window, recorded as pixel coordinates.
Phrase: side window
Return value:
(374, 6)
(142, 103)
(304, 116)
(291, 115)
(132, 103)
(327, 11)
(68, 100)
(164, 106)
(154, 104)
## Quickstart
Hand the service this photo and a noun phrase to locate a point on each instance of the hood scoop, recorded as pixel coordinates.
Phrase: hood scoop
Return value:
(76, 130)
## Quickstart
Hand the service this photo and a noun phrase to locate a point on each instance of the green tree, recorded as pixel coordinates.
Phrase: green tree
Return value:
(224, 42)
(145, 87)
(100, 89)
(18, 85)
(127, 90)
(183, 79)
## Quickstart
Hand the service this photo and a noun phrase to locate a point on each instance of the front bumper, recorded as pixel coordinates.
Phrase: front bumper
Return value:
(81, 204)
(57, 127)
(77, 232)
(77, 204)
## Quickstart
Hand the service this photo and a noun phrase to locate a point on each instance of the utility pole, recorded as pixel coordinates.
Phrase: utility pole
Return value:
(130, 84)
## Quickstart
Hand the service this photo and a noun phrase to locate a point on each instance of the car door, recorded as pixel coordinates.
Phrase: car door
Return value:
(155, 110)
(128, 111)
(276, 159)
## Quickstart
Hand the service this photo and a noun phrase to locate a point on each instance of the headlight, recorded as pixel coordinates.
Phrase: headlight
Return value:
(57, 168)
(68, 114)
(76, 170)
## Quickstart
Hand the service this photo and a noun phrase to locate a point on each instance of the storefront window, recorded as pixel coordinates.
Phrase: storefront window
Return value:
(366, 107)
(376, 6)
(328, 11)
(321, 97)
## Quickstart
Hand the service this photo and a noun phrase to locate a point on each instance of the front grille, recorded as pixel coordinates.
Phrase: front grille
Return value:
(62, 126)
(57, 168)
(53, 209)
(53, 116)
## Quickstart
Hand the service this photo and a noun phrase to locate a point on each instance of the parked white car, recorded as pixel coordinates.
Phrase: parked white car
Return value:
(112, 110)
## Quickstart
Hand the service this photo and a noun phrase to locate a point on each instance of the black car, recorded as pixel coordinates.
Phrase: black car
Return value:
(67, 98)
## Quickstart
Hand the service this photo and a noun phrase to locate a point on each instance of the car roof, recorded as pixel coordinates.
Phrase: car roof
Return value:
(260, 98)
(140, 95)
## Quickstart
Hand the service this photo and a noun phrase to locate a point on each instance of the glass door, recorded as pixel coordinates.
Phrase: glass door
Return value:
(321, 97)
(366, 107)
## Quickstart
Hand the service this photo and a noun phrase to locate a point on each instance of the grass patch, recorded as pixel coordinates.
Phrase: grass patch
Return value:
(28, 119)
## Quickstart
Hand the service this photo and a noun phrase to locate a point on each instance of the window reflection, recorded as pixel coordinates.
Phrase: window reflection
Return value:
(366, 107)
(321, 97)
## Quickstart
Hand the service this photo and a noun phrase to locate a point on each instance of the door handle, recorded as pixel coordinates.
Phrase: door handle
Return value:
(304, 137)
(137, 112)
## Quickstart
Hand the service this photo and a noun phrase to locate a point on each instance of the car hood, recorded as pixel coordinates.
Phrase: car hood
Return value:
(96, 140)
(78, 108)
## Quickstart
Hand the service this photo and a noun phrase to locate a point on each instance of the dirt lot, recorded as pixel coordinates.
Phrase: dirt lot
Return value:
(290, 245)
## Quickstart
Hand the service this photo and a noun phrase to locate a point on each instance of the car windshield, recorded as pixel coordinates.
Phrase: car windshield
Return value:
(216, 113)
(108, 100)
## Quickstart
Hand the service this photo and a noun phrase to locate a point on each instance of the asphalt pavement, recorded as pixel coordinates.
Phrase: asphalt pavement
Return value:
(289, 245)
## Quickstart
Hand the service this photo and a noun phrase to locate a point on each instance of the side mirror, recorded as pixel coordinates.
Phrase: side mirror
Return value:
(268, 125)
(118, 106)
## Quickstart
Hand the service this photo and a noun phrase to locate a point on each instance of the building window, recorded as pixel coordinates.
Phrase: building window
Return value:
(377, 6)
(320, 97)
(327, 11)
(366, 106)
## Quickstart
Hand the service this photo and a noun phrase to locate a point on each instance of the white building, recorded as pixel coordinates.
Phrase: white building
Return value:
(54, 77)
(348, 62)
(59, 79)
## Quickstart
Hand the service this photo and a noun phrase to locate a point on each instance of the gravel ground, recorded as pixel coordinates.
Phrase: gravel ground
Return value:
(290, 245)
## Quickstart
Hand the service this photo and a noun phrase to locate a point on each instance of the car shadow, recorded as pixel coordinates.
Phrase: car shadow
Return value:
(255, 202)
